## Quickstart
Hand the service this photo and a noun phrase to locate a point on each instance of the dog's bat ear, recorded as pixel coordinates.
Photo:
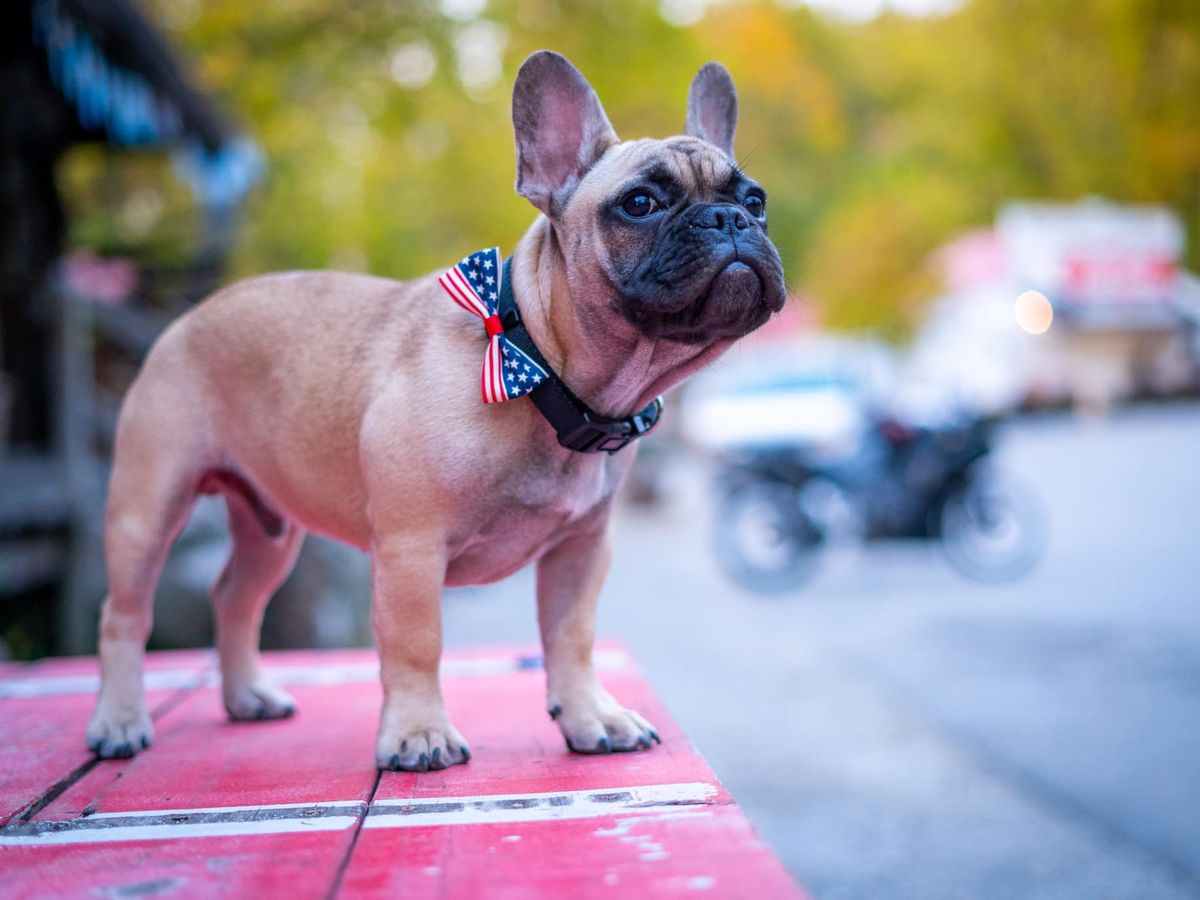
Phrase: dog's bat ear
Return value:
(712, 109)
(561, 130)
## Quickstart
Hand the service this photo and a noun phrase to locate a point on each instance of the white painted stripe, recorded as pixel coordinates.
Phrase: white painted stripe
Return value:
(547, 807)
(183, 830)
(56, 685)
(322, 675)
(420, 812)
(249, 810)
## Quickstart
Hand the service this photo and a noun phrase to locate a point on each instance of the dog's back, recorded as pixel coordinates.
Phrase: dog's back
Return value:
(301, 350)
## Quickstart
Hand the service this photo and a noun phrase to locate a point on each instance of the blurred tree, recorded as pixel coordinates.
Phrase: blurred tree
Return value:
(386, 123)
(1032, 99)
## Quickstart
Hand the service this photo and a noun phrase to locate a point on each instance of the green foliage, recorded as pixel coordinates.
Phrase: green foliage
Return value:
(877, 141)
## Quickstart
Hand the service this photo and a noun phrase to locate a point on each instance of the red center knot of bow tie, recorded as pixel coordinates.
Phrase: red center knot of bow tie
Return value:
(493, 326)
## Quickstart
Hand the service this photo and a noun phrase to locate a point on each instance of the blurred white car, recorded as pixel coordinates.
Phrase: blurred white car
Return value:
(814, 392)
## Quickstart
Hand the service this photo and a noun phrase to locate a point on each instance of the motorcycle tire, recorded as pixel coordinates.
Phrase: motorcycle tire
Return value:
(991, 531)
(764, 541)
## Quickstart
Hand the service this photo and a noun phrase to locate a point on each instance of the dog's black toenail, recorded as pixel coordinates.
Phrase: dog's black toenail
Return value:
(394, 762)
(145, 742)
(555, 711)
(604, 745)
(466, 753)
(654, 734)
(403, 746)
(289, 711)
(424, 761)
(123, 751)
(435, 760)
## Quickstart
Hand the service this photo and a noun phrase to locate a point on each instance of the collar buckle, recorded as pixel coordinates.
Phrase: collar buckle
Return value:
(596, 434)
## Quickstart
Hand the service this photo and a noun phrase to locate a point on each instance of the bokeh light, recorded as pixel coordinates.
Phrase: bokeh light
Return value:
(1033, 312)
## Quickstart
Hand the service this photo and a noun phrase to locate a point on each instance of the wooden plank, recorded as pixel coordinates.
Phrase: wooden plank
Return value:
(325, 752)
(296, 865)
(710, 851)
(675, 843)
(44, 709)
(200, 759)
(516, 748)
(218, 809)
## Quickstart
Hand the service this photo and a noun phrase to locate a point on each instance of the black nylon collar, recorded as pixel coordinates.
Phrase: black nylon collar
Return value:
(578, 427)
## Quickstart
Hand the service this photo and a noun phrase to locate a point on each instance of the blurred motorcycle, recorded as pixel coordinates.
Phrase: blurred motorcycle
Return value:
(779, 506)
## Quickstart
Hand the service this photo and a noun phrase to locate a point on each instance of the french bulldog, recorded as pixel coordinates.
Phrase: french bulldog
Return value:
(348, 405)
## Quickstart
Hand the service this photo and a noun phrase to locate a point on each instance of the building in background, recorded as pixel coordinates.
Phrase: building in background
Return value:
(74, 325)
(1063, 303)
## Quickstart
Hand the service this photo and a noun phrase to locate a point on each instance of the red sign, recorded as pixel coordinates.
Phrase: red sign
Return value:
(1117, 275)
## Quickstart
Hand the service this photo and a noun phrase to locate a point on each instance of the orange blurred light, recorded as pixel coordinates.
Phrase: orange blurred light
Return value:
(1033, 312)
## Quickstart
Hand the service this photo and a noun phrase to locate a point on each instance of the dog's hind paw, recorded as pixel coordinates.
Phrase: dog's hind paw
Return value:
(258, 701)
(112, 736)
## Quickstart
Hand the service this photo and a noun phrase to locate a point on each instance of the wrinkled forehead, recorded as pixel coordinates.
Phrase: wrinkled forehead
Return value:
(689, 163)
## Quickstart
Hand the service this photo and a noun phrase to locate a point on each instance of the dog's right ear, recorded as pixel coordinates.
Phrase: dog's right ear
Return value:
(561, 130)
(712, 111)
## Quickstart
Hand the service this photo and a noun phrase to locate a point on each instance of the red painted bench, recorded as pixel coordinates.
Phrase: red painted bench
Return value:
(296, 807)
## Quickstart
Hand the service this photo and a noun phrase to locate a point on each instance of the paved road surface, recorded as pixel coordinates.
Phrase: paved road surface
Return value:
(896, 731)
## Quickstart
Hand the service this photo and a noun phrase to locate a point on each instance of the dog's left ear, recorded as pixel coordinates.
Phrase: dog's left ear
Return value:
(561, 130)
(713, 107)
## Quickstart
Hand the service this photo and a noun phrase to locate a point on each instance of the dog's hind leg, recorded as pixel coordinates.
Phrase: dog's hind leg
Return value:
(149, 499)
(264, 551)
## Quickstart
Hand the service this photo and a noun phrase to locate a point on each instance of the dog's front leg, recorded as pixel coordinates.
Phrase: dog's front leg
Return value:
(415, 733)
(569, 579)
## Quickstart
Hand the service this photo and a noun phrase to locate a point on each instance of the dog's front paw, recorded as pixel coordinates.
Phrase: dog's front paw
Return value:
(419, 748)
(257, 700)
(591, 721)
(119, 735)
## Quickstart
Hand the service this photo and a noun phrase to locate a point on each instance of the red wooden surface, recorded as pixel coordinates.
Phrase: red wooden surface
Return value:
(42, 707)
(296, 808)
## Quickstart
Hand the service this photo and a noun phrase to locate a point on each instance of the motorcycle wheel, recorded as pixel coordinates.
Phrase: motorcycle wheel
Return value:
(764, 541)
(991, 531)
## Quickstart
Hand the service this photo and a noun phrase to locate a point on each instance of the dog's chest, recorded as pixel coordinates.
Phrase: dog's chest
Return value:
(522, 515)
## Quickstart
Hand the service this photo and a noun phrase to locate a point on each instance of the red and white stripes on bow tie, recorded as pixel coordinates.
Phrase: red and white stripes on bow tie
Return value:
(475, 284)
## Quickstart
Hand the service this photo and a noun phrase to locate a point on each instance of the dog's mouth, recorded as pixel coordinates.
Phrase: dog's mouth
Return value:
(739, 298)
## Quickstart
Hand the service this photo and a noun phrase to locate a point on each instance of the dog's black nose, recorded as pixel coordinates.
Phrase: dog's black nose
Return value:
(722, 216)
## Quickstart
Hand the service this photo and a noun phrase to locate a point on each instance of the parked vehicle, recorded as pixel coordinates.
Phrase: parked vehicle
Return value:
(781, 504)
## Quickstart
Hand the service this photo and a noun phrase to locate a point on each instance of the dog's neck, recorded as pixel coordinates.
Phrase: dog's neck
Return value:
(605, 360)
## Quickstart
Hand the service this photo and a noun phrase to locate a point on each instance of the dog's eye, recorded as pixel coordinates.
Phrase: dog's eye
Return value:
(756, 205)
(638, 204)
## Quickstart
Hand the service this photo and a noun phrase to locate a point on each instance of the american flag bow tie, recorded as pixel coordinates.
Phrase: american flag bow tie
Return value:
(475, 285)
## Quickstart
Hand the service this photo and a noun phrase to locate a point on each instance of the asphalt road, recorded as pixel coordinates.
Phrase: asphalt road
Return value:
(896, 731)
